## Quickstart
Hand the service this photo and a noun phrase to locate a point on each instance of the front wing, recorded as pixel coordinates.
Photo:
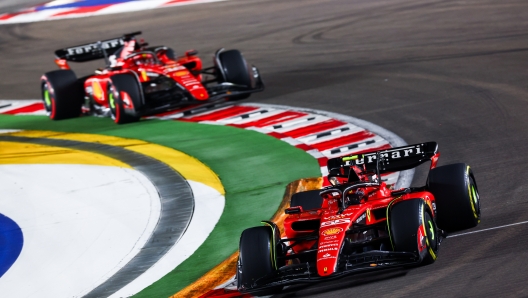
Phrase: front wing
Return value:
(348, 264)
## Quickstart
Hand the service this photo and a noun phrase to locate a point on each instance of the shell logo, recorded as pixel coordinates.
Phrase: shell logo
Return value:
(332, 231)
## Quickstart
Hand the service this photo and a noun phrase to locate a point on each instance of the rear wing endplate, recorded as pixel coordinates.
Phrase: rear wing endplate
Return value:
(95, 50)
(390, 160)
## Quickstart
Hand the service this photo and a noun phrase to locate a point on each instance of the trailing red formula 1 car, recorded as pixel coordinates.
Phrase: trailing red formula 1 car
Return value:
(358, 223)
(140, 81)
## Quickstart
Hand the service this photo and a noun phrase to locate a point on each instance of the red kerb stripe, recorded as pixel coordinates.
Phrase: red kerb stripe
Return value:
(278, 118)
(8, 16)
(386, 146)
(314, 128)
(223, 114)
(82, 10)
(177, 1)
(34, 107)
(341, 141)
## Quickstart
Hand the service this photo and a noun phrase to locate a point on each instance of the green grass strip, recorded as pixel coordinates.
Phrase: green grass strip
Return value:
(253, 167)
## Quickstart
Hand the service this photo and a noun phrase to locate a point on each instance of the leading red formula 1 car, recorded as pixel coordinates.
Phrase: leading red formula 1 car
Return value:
(140, 81)
(358, 223)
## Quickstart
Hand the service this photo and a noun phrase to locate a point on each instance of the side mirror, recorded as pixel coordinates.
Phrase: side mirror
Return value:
(190, 53)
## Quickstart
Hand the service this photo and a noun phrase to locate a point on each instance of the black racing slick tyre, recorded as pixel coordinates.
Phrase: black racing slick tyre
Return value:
(124, 98)
(62, 94)
(256, 260)
(307, 200)
(456, 196)
(234, 69)
(412, 229)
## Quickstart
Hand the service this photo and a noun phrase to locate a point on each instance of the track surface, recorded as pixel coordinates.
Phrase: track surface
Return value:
(449, 71)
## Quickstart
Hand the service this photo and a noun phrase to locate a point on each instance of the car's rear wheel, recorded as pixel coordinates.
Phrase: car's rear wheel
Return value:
(412, 229)
(256, 259)
(234, 69)
(124, 98)
(62, 94)
(456, 197)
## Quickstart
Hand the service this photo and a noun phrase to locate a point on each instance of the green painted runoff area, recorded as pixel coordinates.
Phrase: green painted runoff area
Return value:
(253, 167)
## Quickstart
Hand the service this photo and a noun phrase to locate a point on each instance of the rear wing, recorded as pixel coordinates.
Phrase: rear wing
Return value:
(95, 50)
(385, 161)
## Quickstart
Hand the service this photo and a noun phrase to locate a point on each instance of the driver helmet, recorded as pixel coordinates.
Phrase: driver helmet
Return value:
(144, 59)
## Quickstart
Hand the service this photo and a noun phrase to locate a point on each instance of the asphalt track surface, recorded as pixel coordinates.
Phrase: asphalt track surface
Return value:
(447, 71)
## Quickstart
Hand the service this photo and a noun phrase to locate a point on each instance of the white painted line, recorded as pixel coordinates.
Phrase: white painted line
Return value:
(362, 145)
(335, 133)
(296, 122)
(258, 129)
(2, 131)
(255, 116)
(207, 111)
(291, 141)
(315, 153)
(80, 223)
(318, 119)
(246, 116)
(209, 205)
(7, 105)
(489, 229)
(51, 14)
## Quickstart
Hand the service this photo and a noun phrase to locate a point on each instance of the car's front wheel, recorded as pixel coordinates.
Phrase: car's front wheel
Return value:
(412, 229)
(256, 259)
(233, 68)
(124, 98)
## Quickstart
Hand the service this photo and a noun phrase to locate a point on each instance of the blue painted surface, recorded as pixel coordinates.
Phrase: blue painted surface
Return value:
(83, 3)
(11, 242)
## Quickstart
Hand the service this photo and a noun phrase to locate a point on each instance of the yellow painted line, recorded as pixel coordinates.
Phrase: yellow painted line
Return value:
(224, 271)
(189, 167)
(24, 153)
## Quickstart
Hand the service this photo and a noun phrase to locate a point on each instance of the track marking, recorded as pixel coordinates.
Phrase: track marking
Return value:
(55, 10)
(24, 153)
(489, 229)
(170, 158)
(189, 167)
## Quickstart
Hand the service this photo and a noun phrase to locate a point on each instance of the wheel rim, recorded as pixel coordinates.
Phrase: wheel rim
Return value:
(112, 104)
(46, 95)
(111, 100)
(430, 231)
(474, 198)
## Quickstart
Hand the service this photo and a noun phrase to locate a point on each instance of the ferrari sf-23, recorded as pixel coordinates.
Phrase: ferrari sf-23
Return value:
(140, 81)
(358, 223)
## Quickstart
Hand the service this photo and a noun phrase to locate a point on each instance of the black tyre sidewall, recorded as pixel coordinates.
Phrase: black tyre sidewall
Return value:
(457, 208)
(235, 68)
(255, 258)
(66, 94)
(129, 84)
(405, 218)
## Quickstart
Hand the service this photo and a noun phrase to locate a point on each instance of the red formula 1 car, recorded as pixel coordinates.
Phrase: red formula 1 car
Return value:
(358, 223)
(140, 81)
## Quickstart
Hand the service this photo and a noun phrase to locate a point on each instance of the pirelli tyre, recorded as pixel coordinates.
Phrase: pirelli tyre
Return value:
(256, 259)
(124, 98)
(456, 194)
(412, 229)
(62, 94)
(234, 69)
